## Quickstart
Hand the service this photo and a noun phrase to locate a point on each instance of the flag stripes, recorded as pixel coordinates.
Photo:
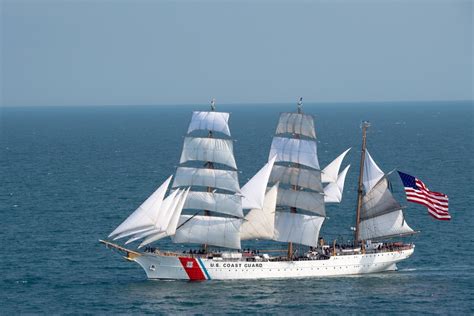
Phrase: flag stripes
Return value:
(417, 192)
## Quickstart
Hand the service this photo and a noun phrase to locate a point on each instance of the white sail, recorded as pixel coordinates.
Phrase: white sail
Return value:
(387, 225)
(152, 238)
(330, 172)
(296, 123)
(214, 178)
(333, 191)
(146, 214)
(210, 121)
(260, 223)
(309, 201)
(167, 209)
(297, 228)
(159, 215)
(372, 173)
(143, 235)
(172, 224)
(215, 202)
(208, 149)
(295, 150)
(305, 178)
(133, 232)
(253, 192)
(378, 201)
(209, 230)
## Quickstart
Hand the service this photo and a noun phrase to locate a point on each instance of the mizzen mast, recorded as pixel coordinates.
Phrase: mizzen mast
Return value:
(365, 126)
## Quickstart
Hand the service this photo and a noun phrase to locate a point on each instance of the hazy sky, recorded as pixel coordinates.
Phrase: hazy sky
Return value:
(178, 52)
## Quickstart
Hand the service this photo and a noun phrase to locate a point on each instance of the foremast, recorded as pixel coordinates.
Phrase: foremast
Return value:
(208, 166)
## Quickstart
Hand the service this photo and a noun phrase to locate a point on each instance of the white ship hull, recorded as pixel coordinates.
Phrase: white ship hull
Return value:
(159, 266)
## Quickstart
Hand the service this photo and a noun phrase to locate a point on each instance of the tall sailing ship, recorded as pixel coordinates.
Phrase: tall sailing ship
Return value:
(284, 202)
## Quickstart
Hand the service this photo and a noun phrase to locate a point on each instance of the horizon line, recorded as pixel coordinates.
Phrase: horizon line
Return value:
(237, 103)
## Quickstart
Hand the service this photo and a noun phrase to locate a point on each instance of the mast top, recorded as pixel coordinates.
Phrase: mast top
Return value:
(365, 124)
(300, 105)
(213, 104)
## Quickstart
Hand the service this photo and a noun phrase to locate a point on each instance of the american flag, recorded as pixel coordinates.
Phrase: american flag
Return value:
(417, 192)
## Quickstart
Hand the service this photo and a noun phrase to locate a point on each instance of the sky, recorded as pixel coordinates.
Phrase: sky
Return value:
(106, 52)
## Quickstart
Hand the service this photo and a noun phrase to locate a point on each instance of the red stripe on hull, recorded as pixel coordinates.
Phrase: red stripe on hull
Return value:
(192, 268)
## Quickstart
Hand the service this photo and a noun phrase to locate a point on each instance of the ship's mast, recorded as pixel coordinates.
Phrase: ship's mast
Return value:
(209, 165)
(299, 110)
(365, 126)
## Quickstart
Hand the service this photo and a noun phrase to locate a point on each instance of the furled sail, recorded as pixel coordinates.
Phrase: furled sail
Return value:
(309, 201)
(296, 123)
(386, 225)
(372, 172)
(210, 121)
(253, 192)
(295, 150)
(330, 172)
(305, 178)
(297, 228)
(215, 202)
(333, 191)
(209, 230)
(146, 214)
(214, 178)
(208, 149)
(260, 223)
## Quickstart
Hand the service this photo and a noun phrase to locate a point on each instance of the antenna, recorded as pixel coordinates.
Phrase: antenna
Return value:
(213, 104)
(300, 104)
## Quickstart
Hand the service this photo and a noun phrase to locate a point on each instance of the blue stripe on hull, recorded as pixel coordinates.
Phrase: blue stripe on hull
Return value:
(204, 269)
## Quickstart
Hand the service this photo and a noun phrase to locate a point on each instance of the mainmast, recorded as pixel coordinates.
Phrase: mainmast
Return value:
(365, 125)
(297, 171)
(299, 110)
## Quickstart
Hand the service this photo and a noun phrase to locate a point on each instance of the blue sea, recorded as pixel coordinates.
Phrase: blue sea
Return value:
(70, 175)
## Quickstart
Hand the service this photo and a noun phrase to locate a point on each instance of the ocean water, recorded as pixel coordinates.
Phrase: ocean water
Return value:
(69, 176)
